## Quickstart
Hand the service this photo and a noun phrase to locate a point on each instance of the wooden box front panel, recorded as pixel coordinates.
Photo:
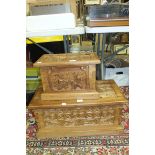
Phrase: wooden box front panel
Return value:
(75, 78)
(69, 82)
(78, 121)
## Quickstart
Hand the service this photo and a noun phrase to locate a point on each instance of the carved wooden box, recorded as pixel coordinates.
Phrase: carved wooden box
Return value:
(63, 118)
(68, 76)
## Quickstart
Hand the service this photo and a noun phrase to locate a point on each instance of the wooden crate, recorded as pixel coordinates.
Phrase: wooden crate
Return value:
(63, 118)
(68, 76)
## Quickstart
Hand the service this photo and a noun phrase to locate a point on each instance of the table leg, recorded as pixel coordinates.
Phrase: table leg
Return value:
(102, 57)
(98, 67)
(98, 44)
(68, 50)
(40, 46)
(94, 41)
(65, 43)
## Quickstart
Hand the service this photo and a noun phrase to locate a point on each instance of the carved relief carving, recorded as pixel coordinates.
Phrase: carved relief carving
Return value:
(69, 56)
(68, 79)
(85, 116)
(39, 114)
(106, 90)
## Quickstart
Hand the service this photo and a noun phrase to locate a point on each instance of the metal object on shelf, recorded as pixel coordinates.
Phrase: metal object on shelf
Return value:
(116, 52)
(43, 48)
(89, 2)
(108, 15)
(104, 31)
(108, 11)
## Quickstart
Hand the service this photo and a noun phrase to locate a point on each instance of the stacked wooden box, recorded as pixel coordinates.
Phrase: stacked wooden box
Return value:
(70, 102)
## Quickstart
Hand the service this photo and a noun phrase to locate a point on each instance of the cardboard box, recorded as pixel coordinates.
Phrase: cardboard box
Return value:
(119, 75)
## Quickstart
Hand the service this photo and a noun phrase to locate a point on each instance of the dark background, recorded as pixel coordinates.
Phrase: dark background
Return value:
(35, 52)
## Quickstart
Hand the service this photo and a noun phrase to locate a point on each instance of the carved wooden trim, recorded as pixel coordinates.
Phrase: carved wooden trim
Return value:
(44, 78)
(78, 121)
(107, 90)
(92, 76)
(70, 59)
(68, 79)
(77, 95)
(78, 116)
(39, 116)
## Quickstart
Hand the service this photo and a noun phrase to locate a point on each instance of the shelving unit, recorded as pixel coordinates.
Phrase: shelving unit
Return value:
(104, 31)
(113, 29)
(58, 32)
(82, 30)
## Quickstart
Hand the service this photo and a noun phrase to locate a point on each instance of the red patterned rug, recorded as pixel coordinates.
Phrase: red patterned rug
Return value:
(89, 145)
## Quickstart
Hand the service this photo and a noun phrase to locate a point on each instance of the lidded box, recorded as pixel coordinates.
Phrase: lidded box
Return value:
(64, 118)
(68, 76)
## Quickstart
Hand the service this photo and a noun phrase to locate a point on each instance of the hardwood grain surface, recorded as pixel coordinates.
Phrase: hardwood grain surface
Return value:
(109, 94)
(101, 23)
(68, 76)
(67, 59)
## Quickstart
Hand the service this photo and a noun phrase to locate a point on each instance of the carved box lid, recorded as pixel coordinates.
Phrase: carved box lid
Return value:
(83, 58)
(109, 92)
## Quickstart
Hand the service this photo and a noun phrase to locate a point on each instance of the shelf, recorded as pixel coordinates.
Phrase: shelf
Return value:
(113, 29)
(77, 30)
(56, 32)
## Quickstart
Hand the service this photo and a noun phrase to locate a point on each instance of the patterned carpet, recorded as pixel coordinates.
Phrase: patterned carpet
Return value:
(93, 145)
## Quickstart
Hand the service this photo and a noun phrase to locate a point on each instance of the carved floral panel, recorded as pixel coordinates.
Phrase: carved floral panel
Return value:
(84, 116)
(68, 79)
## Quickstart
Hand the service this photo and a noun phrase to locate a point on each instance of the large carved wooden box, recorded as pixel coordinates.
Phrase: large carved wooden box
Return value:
(68, 76)
(61, 118)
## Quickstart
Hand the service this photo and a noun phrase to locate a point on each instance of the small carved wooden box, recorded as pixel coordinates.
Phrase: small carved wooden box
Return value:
(63, 118)
(68, 76)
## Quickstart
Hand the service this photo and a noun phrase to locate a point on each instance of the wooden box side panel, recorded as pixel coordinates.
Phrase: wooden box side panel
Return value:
(78, 121)
(45, 82)
(92, 77)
